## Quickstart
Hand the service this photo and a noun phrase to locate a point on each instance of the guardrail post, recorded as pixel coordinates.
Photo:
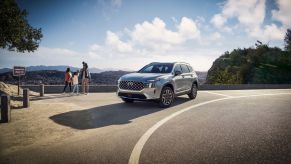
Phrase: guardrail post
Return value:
(25, 98)
(5, 108)
(41, 90)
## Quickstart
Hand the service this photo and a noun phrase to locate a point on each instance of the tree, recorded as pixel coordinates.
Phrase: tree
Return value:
(287, 40)
(15, 32)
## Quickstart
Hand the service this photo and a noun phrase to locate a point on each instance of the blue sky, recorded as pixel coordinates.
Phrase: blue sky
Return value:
(127, 34)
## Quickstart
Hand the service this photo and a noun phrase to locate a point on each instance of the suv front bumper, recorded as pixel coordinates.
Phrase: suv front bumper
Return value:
(144, 94)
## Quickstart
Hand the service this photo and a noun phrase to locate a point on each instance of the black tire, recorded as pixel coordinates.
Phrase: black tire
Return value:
(166, 97)
(192, 95)
(127, 100)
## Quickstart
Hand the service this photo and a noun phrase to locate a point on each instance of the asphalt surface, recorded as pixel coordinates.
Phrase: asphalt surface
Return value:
(238, 126)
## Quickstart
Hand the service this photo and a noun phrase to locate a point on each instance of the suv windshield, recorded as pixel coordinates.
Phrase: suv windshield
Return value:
(157, 68)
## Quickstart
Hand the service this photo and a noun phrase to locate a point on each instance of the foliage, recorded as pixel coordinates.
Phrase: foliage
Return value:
(15, 32)
(259, 65)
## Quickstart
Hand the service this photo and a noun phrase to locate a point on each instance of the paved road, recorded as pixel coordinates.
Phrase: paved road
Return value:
(239, 126)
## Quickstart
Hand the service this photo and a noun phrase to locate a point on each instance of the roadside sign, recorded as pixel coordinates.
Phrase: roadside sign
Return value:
(18, 71)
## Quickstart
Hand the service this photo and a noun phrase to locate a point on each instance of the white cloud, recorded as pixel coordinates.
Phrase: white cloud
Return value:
(216, 36)
(250, 15)
(219, 22)
(188, 29)
(283, 14)
(155, 34)
(268, 33)
(114, 41)
(95, 51)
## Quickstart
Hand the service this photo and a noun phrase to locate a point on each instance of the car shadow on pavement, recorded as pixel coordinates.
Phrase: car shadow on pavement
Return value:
(112, 114)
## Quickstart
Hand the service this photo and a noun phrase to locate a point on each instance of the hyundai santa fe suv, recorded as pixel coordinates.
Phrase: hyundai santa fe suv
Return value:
(160, 82)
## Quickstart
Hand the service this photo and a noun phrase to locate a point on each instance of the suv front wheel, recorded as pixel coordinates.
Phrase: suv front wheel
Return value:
(192, 95)
(166, 97)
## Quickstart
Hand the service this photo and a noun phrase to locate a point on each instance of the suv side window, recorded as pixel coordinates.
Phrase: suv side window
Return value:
(185, 68)
(178, 68)
(190, 68)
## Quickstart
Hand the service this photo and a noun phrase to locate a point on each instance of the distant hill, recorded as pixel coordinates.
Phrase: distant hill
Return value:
(3, 70)
(54, 77)
(56, 68)
(259, 65)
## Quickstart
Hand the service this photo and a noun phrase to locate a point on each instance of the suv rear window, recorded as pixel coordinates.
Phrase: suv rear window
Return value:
(185, 68)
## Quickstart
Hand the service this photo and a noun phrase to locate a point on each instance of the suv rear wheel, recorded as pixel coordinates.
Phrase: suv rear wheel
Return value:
(167, 97)
(192, 95)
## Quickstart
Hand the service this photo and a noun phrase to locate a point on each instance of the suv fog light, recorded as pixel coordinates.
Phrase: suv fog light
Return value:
(150, 85)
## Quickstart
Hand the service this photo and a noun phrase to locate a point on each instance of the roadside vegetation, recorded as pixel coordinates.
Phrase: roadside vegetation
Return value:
(255, 65)
(15, 32)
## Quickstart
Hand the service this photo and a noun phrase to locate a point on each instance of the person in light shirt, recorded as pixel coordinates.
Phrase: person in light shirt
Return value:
(75, 81)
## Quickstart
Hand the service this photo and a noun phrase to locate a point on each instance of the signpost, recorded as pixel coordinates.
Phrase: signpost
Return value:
(18, 71)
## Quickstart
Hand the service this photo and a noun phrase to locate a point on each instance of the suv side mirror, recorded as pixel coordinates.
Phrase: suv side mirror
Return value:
(178, 73)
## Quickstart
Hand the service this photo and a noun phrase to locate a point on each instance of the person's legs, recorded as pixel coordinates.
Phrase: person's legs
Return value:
(70, 85)
(66, 84)
(83, 86)
(87, 85)
(74, 88)
(77, 85)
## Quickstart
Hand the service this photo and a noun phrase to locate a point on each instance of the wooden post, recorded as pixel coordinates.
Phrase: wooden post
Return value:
(5, 108)
(18, 85)
(25, 98)
(41, 90)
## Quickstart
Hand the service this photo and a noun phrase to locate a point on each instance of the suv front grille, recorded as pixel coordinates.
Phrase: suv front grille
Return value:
(131, 85)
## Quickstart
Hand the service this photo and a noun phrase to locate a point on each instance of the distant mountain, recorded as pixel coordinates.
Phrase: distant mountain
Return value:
(53, 77)
(56, 68)
(3, 70)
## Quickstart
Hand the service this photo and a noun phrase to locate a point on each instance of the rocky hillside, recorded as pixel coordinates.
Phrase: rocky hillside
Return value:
(259, 65)
(12, 90)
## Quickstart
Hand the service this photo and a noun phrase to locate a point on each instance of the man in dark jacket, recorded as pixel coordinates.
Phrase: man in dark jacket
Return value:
(85, 76)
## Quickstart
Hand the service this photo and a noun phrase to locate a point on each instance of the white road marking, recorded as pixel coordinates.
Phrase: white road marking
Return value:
(215, 93)
(135, 154)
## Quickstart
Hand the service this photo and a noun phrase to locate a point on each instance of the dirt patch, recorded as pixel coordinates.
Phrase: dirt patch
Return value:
(12, 91)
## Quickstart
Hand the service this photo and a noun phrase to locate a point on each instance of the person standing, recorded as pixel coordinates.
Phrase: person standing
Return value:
(68, 77)
(85, 76)
(75, 81)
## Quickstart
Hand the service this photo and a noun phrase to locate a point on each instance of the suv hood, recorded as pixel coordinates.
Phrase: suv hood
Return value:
(142, 77)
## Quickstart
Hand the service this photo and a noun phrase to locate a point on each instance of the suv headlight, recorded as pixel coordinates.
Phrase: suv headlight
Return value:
(152, 83)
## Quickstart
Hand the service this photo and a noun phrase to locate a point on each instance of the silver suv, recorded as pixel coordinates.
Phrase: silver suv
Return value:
(160, 82)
